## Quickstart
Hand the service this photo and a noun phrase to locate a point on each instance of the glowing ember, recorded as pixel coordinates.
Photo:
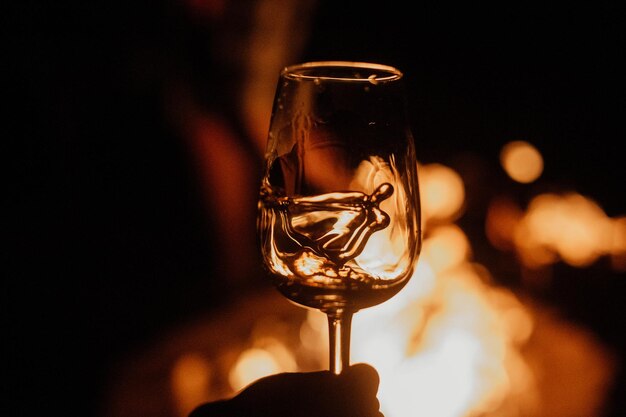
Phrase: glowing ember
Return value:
(521, 161)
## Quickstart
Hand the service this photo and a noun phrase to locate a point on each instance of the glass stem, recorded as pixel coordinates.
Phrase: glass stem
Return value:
(339, 325)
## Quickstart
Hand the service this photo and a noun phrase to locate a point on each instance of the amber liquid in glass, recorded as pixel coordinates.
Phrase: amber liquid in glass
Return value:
(313, 244)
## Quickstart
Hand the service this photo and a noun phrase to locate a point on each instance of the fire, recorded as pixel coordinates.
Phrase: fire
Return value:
(452, 343)
(449, 344)
(453, 353)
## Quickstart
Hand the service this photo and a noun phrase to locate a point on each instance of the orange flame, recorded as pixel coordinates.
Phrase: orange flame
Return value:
(452, 344)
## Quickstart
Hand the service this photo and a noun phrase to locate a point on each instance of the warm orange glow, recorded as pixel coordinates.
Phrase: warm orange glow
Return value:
(521, 161)
(190, 382)
(451, 344)
(456, 352)
(503, 216)
(369, 226)
(442, 192)
(269, 356)
(448, 344)
(568, 227)
(446, 247)
(252, 365)
(314, 333)
(308, 265)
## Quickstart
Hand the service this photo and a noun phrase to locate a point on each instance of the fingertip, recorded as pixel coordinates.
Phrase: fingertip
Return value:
(363, 381)
(364, 371)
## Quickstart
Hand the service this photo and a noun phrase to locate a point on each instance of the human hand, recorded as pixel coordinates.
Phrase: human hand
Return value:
(318, 394)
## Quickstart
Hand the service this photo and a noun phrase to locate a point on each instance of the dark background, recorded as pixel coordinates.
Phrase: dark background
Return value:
(106, 207)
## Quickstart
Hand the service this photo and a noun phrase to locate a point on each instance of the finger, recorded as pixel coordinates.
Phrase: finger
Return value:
(363, 378)
(361, 387)
(293, 382)
(353, 393)
(286, 393)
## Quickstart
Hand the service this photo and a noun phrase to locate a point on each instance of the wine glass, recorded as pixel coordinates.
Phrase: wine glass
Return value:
(339, 207)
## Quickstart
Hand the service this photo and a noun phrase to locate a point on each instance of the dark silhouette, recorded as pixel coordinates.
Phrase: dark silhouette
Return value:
(314, 394)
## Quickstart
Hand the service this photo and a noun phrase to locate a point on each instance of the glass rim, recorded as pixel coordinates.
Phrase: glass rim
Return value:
(386, 73)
